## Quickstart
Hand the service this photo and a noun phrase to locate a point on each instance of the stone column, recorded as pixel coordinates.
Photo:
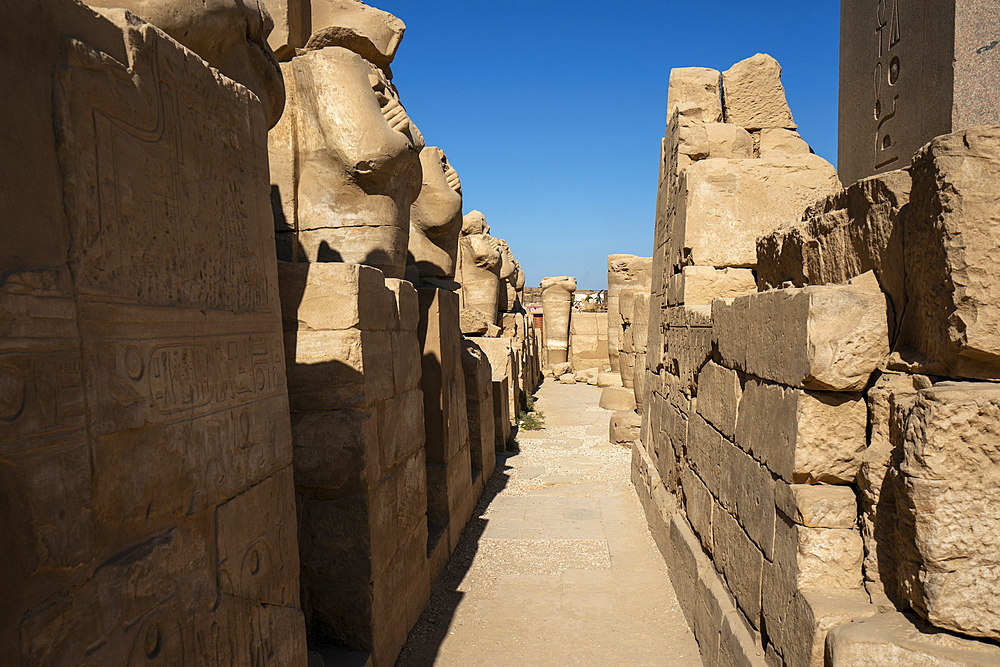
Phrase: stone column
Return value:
(623, 271)
(557, 303)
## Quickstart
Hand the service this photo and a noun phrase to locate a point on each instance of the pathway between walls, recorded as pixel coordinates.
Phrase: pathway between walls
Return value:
(557, 567)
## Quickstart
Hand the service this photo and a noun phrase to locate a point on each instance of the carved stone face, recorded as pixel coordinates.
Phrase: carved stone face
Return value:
(231, 35)
(436, 217)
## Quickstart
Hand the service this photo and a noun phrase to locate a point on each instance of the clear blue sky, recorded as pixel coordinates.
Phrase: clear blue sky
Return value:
(552, 111)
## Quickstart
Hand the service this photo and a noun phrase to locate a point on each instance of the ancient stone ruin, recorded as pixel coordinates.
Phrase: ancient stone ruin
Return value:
(812, 440)
(261, 374)
(228, 439)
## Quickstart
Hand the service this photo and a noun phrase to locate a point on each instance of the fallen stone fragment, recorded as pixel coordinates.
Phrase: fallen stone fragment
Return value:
(754, 96)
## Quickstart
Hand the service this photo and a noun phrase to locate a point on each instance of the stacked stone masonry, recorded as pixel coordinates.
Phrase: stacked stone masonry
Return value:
(235, 428)
(818, 413)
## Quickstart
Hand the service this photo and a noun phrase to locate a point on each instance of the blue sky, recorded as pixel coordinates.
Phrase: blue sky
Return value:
(552, 111)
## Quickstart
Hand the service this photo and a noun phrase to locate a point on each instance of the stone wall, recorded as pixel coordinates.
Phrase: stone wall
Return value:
(145, 447)
(790, 457)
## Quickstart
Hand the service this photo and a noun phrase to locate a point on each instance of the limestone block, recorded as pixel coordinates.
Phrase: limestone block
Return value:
(952, 315)
(828, 337)
(719, 393)
(817, 505)
(903, 639)
(699, 285)
(435, 218)
(724, 205)
(779, 141)
(699, 90)
(753, 94)
(740, 561)
(803, 436)
(947, 515)
(849, 233)
(617, 399)
(557, 301)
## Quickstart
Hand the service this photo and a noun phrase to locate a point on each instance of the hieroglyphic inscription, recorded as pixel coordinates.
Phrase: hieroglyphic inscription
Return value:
(163, 182)
(131, 382)
(41, 394)
(886, 77)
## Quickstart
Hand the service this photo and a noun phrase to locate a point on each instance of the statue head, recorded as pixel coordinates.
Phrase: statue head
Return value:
(436, 217)
(231, 35)
(474, 223)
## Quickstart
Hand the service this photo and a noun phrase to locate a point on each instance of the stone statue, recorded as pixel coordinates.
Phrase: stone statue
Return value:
(231, 35)
(435, 222)
(481, 262)
(345, 164)
(557, 303)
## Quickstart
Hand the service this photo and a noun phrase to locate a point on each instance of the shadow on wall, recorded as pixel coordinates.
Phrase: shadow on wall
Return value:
(424, 642)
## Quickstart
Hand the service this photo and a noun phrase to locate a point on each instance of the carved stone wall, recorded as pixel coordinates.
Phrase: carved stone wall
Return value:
(145, 449)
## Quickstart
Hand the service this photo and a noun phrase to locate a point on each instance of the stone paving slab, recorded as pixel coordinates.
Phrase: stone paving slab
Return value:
(557, 567)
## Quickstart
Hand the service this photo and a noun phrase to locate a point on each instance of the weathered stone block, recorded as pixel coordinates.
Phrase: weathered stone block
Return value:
(854, 231)
(817, 505)
(617, 399)
(952, 314)
(754, 96)
(623, 429)
(950, 508)
(901, 639)
(719, 393)
(698, 90)
(780, 141)
(803, 436)
(746, 490)
(723, 206)
(700, 506)
(699, 285)
(741, 562)
(704, 450)
(739, 644)
(811, 615)
(828, 337)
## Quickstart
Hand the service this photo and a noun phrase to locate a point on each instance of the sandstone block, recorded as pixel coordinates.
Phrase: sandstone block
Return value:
(567, 378)
(700, 506)
(817, 505)
(503, 419)
(819, 337)
(699, 285)
(901, 639)
(856, 230)
(952, 314)
(612, 379)
(739, 644)
(704, 449)
(723, 206)
(617, 399)
(803, 436)
(698, 90)
(741, 562)
(728, 141)
(812, 614)
(754, 96)
(948, 512)
(624, 426)
(746, 490)
(719, 393)
(779, 141)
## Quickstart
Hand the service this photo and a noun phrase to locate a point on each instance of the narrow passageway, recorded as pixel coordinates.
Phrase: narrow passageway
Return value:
(557, 567)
